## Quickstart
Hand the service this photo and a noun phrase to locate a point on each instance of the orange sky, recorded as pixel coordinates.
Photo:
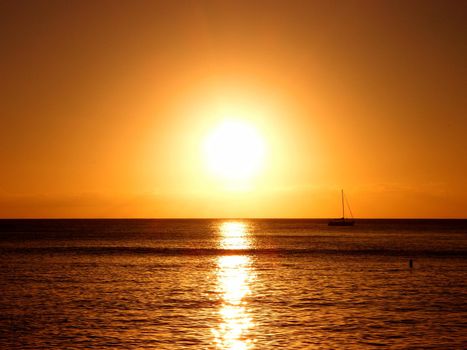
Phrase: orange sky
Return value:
(104, 106)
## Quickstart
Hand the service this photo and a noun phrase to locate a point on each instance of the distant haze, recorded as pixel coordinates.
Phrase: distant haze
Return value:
(105, 105)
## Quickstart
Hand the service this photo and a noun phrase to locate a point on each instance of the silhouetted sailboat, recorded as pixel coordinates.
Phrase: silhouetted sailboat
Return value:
(342, 221)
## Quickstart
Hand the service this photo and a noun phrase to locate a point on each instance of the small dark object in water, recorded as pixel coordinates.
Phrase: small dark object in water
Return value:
(410, 263)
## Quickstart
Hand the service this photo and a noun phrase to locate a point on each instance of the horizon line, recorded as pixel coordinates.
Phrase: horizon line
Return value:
(229, 218)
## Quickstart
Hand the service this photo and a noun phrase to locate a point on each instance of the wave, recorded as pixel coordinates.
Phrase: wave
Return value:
(110, 250)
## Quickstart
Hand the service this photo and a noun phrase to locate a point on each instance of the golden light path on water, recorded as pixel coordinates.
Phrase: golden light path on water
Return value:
(235, 276)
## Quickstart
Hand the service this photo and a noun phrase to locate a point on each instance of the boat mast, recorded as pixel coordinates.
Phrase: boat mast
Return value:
(342, 198)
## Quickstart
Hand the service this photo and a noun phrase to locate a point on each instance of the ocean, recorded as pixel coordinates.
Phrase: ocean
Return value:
(232, 284)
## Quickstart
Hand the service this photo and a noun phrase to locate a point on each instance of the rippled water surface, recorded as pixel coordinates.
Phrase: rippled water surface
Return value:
(232, 284)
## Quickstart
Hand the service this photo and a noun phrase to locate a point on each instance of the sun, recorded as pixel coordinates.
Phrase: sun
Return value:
(234, 150)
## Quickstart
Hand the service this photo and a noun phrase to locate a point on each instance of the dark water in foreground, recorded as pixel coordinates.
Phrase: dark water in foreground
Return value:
(232, 284)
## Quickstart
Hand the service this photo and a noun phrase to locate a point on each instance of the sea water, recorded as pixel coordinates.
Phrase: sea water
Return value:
(232, 284)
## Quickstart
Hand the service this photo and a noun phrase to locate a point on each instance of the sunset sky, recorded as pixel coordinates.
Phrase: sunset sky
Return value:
(133, 108)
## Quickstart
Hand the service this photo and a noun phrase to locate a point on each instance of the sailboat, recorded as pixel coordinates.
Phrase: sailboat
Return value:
(342, 221)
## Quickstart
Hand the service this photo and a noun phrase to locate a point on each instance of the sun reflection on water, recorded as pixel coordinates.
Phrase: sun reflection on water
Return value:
(235, 276)
(234, 235)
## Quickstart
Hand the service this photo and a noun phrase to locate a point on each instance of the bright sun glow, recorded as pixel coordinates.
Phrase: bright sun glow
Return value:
(234, 150)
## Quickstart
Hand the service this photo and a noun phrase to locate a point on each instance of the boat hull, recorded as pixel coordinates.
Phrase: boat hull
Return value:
(341, 222)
